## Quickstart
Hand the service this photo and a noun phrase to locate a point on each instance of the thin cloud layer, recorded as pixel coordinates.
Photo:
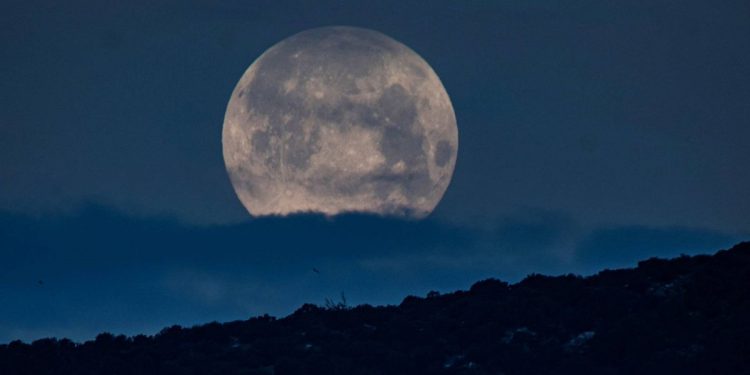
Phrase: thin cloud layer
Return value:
(101, 270)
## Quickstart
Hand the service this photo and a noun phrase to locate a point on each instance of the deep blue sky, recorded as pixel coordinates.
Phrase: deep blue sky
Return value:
(592, 134)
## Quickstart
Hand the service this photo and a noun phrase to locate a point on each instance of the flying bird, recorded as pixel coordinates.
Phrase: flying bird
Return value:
(316, 270)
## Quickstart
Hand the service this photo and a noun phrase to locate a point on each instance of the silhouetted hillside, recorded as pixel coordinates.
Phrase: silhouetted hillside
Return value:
(678, 316)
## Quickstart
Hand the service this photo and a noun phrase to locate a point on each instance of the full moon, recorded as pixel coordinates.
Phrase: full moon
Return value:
(340, 119)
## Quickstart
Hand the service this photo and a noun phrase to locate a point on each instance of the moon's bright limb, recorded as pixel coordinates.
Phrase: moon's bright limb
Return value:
(340, 119)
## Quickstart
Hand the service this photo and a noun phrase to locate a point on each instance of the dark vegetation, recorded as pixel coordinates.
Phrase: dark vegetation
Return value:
(679, 316)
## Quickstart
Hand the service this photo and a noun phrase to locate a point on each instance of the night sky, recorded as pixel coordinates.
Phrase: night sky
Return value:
(592, 134)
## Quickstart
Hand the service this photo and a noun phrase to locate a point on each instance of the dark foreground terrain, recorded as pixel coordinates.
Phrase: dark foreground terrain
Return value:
(678, 316)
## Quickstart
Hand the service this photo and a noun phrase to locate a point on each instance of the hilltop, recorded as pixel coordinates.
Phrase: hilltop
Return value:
(690, 314)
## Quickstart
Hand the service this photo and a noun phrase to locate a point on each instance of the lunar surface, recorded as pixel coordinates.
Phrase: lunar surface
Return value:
(340, 119)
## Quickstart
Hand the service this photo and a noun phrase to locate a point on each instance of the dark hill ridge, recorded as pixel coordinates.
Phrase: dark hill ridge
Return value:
(678, 316)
